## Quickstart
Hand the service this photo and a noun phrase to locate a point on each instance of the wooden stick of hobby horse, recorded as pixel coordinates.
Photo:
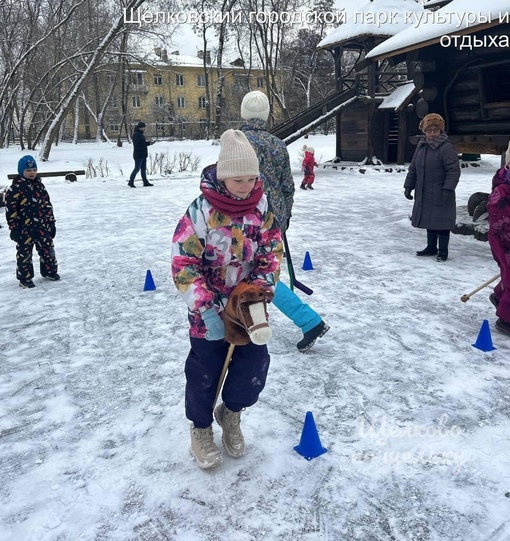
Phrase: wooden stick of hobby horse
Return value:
(467, 296)
(228, 358)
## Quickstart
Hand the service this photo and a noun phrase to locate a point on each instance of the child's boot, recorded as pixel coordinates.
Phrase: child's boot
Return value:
(203, 448)
(503, 326)
(303, 185)
(233, 439)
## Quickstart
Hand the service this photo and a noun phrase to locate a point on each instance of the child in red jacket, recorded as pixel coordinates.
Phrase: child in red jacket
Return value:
(498, 207)
(308, 164)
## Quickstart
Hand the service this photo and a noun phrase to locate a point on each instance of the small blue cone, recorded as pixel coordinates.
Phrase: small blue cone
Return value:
(484, 340)
(149, 282)
(310, 443)
(307, 263)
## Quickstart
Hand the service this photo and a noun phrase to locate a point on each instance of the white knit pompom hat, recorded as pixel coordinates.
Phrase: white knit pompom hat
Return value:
(255, 105)
(237, 157)
(308, 149)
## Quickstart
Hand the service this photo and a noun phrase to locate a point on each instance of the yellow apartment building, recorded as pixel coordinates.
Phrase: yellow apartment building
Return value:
(169, 95)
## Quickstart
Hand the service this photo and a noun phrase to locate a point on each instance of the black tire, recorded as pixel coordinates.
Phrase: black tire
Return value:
(480, 210)
(475, 200)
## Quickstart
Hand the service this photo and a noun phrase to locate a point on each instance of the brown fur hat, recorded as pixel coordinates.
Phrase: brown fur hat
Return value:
(432, 119)
(237, 317)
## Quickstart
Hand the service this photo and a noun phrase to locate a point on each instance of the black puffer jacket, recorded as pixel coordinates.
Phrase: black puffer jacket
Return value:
(433, 174)
(140, 145)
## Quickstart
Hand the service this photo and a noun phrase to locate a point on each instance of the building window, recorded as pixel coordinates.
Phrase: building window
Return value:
(111, 78)
(114, 127)
(136, 101)
(158, 80)
(159, 101)
(200, 80)
(260, 82)
(113, 102)
(137, 79)
(201, 102)
(179, 80)
(181, 103)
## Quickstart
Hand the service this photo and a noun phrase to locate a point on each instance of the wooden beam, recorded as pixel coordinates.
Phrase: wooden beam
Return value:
(51, 174)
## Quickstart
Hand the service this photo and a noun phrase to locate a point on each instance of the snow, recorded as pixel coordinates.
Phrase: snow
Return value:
(462, 15)
(415, 420)
(376, 21)
(398, 97)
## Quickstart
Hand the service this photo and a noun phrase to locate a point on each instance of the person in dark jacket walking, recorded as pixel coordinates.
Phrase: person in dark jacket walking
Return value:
(140, 154)
(433, 174)
(31, 222)
(498, 207)
(279, 187)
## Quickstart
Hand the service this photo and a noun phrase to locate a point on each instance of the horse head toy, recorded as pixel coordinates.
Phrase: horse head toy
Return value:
(245, 315)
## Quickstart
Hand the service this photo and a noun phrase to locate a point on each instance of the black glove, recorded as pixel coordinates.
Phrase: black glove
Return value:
(53, 230)
(407, 193)
(14, 234)
(447, 196)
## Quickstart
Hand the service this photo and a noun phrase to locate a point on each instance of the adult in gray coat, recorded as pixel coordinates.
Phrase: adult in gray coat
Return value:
(433, 174)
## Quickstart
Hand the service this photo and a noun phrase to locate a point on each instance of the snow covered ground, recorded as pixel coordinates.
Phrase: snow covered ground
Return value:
(93, 437)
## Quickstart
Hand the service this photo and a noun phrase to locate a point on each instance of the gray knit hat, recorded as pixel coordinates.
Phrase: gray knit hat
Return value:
(255, 105)
(237, 157)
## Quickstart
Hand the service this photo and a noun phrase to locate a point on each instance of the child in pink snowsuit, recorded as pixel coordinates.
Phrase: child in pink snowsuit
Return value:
(498, 207)
(308, 164)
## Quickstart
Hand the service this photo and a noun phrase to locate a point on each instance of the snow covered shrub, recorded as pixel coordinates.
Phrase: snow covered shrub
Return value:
(93, 169)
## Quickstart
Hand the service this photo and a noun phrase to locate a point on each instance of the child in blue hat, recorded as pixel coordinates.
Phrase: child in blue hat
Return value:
(31, 222)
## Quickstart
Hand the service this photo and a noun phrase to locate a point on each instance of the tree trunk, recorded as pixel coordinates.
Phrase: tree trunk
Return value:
(69, 100)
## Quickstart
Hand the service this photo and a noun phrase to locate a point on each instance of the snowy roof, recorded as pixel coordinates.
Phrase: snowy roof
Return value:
(431, 32)
(181, 60)
(398, 98)
(432, 3)
(375, 21)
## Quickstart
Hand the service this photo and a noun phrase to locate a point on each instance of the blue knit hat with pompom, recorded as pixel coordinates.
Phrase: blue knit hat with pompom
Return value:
(27, 162)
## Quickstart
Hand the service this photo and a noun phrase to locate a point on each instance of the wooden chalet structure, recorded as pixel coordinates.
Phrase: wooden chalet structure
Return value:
(468, 86)
(404, 72)
(378, 124)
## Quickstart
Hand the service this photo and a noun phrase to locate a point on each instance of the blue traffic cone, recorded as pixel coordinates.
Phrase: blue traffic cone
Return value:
(310, 443)
(307, 263)
(149, 282)
(484, 340)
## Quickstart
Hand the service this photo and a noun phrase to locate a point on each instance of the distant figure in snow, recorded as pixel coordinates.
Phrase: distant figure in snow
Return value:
(31, 221)
(227, 236)
(498, 207)
(279, 187)
(307, 167)
(433, 174)
(140, 154)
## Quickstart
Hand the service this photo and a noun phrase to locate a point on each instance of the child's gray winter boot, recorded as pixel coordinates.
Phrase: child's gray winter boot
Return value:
(203, 448)
(230, 421)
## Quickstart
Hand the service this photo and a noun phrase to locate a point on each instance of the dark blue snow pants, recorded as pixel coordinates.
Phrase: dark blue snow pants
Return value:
(246, 377)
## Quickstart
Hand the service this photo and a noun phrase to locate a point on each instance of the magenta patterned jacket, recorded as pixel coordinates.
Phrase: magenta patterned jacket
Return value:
(498, 207)
(212, 253)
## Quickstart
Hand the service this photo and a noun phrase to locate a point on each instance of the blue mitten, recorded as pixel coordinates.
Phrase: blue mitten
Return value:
(214, 324)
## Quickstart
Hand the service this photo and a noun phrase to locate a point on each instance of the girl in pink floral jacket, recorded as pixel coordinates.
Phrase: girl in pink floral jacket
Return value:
(228, 235)
(498, 207)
